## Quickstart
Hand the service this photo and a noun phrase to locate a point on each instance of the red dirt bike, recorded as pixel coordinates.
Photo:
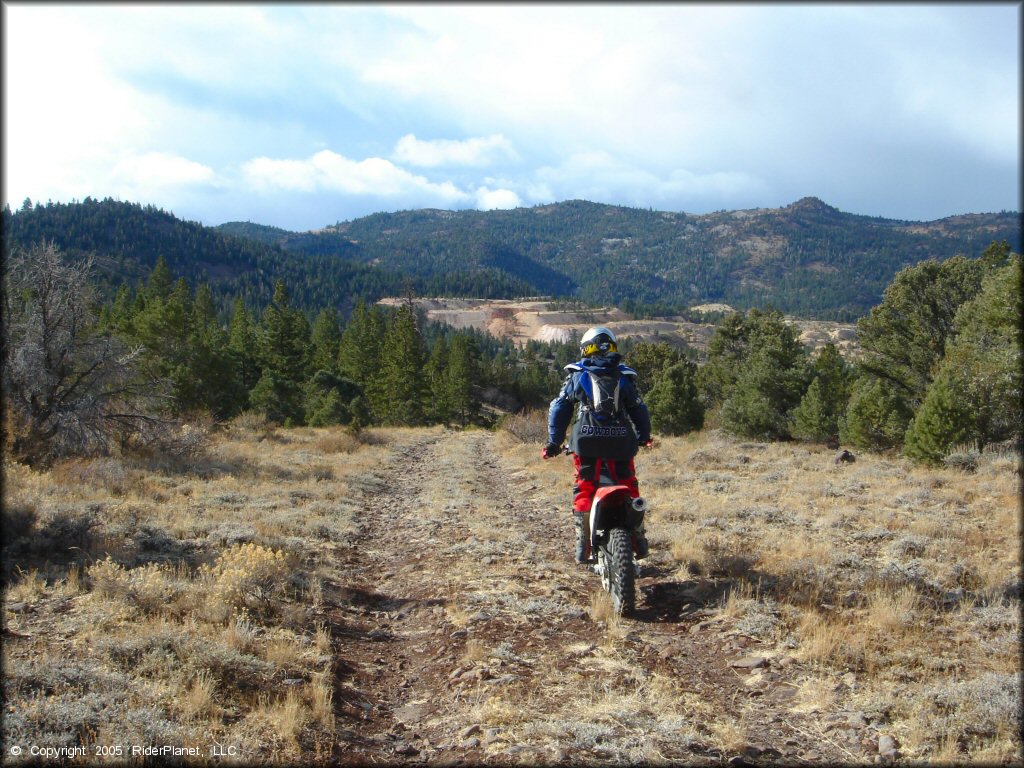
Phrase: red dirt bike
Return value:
(614, 515)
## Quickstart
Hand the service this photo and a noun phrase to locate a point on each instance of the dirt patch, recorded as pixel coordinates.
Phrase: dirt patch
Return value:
(527, 320)
(471, 635)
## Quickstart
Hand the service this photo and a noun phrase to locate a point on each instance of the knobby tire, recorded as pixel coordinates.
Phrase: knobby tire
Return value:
(621, 573)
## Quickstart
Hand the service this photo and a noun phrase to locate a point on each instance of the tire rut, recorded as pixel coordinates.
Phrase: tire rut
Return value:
(465, 633)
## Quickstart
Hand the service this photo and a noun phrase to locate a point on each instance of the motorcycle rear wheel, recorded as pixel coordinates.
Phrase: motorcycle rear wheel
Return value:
(621, 575)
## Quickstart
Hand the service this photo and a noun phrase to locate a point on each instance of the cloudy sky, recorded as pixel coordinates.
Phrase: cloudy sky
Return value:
(301, 116)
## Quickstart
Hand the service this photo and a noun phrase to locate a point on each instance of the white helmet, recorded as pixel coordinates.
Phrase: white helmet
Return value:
(598, 341)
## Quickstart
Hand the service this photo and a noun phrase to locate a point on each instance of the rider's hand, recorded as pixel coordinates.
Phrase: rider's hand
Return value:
(550, 450)
(648, 443)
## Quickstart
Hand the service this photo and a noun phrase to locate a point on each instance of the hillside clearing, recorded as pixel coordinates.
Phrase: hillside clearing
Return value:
(536, 320)
(305, 596)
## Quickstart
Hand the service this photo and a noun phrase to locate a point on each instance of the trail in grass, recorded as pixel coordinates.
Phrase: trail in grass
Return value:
(465, 633)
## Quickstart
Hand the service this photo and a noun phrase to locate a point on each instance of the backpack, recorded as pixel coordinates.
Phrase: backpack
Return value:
(602, 428)
(604, 392)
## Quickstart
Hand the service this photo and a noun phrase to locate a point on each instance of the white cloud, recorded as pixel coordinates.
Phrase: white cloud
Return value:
(475, 152)
(691, 107)
(160, 169)
(329, 171)
(491, 199)
(602, 177)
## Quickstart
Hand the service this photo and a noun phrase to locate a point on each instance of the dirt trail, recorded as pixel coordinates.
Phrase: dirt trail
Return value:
(465, 634)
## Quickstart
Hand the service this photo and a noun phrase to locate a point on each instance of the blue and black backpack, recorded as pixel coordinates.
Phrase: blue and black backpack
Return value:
(602, 428)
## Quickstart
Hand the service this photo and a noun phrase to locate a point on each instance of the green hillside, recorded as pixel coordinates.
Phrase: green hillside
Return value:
(807, 259)
(126, 240)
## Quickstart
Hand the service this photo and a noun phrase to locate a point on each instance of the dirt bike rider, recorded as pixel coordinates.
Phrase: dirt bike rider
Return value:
(600, 362)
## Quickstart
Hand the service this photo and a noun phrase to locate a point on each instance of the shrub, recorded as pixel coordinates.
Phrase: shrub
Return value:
(876, 417)
(675, 406)
(247, 575)
(528, 426)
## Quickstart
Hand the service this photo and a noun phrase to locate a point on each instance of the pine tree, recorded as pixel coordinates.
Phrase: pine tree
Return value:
(242, 348)
(403, 388)
(814, 419)
(980, 375)
(159, 284)
(822, 406)
(359, 357)
(217, 387)
(944, 419)
(674, 403)
(904, 337)
(324, 339)
(727, 350)
(283, 344)
(328, 399)
(283, 337)
(437, 374)
(463, 376)
(651, 360)
(162, 327)
(877, 416)
(771, 376)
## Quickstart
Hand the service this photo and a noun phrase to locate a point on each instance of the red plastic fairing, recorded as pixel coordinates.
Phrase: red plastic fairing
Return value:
(610, 492)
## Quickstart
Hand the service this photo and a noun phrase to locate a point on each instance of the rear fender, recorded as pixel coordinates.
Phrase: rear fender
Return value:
(614, 508)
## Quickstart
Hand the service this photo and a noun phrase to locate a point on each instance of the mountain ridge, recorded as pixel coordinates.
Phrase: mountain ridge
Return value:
(808, 258)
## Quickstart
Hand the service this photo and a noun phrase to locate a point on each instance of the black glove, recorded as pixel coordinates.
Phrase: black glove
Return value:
(550, 450)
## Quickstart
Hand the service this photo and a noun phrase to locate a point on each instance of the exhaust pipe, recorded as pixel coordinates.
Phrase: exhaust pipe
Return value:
(639, 504)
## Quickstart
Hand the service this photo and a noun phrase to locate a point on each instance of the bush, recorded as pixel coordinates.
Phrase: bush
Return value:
(70, 389)
(965, 461)
(877, 416)
(528, 427)
(675, 406)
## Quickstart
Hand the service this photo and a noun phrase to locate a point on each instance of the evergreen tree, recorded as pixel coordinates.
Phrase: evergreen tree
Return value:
(163, 327)
(403, 387)
(771, 376)
(944, 419)
(463, 375)
(217, 388)
(821, 409)
(242, 348)
(727, 351)
(359, 356)
(674, 403)
(904, 337)
(651, 360)
(325, 337)
(976, 393)
(283, 345)
(160, 281)
(280, 399)
(877, 416)
(437, 375)
(328, 399)
(283, 337)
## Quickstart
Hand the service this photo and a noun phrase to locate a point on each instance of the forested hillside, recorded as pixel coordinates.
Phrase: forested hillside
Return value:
(807, 259)
(128, 239)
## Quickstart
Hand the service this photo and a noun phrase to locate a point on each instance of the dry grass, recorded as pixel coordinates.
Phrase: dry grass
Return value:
(184, 581)
(902, 574)
(188, 594)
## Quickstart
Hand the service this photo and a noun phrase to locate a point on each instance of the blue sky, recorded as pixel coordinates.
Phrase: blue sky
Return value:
(300, 116)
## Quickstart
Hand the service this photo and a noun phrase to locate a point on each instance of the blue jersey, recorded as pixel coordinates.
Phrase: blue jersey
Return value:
(577, 389)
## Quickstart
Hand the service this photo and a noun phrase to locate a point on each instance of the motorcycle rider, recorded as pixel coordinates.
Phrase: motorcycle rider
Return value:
(600, 361)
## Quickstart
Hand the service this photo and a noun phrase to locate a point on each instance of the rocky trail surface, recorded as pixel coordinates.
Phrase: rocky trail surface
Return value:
(464, 633)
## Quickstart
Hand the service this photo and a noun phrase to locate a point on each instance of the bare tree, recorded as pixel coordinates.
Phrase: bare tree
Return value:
(68, 387)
